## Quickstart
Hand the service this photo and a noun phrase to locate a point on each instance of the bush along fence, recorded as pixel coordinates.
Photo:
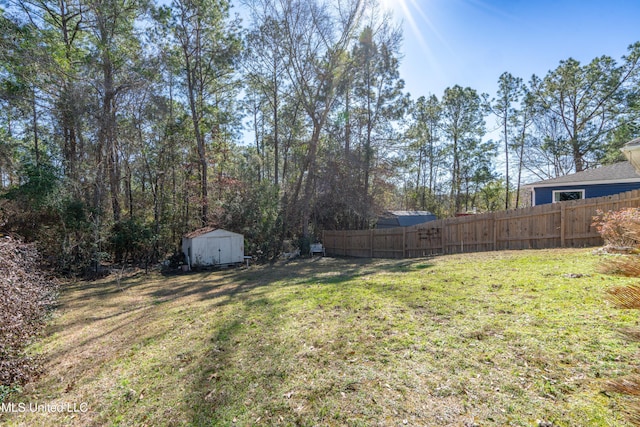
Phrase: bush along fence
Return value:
(556, 225)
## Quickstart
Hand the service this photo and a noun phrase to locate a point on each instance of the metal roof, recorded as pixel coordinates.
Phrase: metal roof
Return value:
(408, 213)
(392, 219)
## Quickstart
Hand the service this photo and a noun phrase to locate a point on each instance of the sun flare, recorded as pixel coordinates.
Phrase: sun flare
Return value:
(419, 28)
(393, 5)
(410, 12)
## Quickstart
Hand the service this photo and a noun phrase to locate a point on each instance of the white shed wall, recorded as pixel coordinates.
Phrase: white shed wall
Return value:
(219, 247)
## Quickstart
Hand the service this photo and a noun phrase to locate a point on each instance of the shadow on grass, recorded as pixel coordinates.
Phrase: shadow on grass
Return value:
(226, 286)
(110, 321)
(312, 341)
(227, 383)
(318, 270)
(232, 284)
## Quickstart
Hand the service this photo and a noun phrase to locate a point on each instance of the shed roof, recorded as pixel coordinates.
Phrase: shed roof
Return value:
(199, 232)
(633, 142)
(206, 230)
(408, 213)
(617, 172)
(392, 219)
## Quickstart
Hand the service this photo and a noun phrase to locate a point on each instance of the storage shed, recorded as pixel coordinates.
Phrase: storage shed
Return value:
(208, 247)
(393, 219)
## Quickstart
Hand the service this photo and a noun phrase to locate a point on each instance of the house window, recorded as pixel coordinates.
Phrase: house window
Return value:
(566, 195)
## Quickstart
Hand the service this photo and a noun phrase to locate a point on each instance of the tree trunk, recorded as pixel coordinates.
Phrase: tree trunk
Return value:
(259, 136)
(521, 160)
(276, 134)
(347, 128)
(308, 187)
(455, 178)
(577, 156)
(506, 157)
(109, 140)
(202, 157)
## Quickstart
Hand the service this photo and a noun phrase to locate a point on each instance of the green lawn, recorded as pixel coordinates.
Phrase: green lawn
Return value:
(492, 339)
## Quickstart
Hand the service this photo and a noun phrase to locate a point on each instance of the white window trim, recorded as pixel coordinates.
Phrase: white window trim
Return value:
(576, 190)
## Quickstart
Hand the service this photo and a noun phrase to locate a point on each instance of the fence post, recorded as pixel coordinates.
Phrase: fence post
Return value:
(442, 232)
(344, 244)
(404, 242)
(494, 223)
(371, 242)
(563, 212)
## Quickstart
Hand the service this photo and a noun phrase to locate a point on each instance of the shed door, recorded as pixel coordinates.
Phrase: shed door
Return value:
(219, 249)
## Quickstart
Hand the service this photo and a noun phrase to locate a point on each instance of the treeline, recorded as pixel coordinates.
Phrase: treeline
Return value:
(124, 124)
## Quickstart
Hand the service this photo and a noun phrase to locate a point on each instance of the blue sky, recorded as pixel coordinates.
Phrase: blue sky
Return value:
(472, 42)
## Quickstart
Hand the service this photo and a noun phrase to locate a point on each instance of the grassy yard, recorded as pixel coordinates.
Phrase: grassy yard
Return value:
(492, 339)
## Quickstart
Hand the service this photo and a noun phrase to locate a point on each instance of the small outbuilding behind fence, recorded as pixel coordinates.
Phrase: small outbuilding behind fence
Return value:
(208, 247)
(392, 219)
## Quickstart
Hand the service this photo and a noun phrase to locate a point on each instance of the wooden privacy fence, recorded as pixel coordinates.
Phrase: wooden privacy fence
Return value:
(556, 225)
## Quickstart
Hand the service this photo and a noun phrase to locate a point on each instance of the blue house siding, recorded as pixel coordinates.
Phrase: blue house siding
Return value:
(544, 195)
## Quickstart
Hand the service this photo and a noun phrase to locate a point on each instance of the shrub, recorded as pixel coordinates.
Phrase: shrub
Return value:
(620, 229)
(304, 244)
(131, 239)
(41, 209)
(253, 211)
(628, 297)
(25, 296)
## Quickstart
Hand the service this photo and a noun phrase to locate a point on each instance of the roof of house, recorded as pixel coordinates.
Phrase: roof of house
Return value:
(617, 172)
